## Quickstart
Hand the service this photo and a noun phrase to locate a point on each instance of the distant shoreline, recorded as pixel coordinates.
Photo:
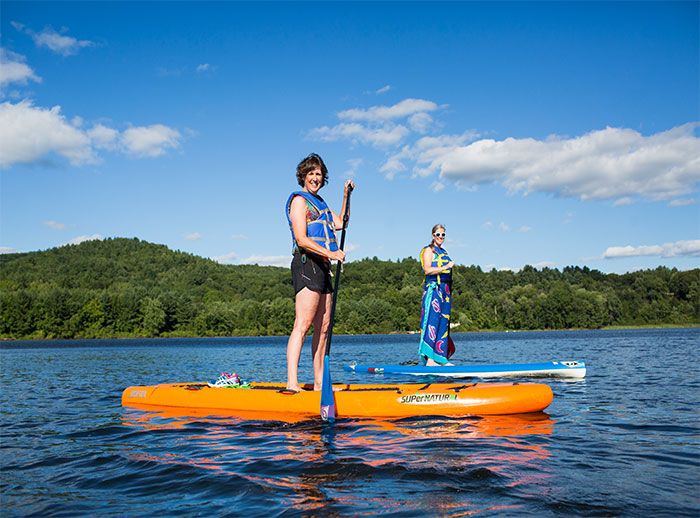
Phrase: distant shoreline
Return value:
(409, 333)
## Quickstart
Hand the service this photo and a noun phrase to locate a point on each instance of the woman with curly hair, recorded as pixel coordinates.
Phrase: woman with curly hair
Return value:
(314, 246)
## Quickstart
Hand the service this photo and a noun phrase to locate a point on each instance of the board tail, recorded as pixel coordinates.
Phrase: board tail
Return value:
(327, 395)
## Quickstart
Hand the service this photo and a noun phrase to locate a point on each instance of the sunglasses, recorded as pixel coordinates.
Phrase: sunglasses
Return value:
(438, 234)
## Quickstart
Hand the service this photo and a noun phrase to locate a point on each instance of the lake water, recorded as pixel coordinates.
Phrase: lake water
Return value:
(623, 442)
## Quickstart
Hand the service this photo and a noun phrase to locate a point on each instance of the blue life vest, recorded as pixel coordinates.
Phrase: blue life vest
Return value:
(440, 259)
(322, 229)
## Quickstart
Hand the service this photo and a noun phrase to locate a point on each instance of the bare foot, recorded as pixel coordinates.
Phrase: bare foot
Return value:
(294, 388)
(433, 363)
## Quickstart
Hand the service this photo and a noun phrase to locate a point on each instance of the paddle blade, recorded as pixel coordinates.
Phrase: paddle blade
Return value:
(450, 347)
(327, 396)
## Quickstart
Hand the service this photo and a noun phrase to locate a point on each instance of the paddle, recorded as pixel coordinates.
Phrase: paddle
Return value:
(327, 397)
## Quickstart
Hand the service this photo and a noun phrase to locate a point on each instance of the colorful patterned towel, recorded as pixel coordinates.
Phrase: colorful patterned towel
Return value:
(435, 341)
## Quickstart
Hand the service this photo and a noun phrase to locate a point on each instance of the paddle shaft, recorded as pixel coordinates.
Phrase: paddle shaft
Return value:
(336, 286)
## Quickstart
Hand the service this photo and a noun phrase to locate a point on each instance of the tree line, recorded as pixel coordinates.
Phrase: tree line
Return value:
(131, 288)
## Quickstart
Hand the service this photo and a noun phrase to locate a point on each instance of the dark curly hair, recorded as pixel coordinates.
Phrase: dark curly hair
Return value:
(308, 164)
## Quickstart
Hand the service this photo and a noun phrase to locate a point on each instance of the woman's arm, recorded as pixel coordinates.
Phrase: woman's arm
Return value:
(428, 260)
(297, 214)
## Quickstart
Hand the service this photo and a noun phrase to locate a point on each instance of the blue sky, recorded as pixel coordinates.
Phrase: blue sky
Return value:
(549, 134)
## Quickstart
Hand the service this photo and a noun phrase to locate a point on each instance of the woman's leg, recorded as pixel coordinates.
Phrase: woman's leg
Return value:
(306, 304)
(322, 321)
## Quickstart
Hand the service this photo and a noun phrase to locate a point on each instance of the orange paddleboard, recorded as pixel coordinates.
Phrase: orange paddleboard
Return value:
(444, 399)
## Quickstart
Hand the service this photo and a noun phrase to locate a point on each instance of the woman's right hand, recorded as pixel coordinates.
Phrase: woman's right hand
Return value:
(338, 255)
(349, 186)
(449, 265)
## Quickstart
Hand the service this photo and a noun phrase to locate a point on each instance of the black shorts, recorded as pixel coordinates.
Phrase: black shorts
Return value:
(311, 271)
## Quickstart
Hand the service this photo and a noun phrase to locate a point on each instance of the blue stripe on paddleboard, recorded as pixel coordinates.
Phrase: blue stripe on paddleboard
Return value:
(524, 368)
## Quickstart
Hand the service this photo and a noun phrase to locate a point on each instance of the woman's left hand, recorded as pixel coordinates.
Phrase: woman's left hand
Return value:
(349, 186)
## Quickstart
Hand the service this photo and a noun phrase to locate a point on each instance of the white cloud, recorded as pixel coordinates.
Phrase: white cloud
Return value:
(54, 41)
(383, 89)
(679, 248)
(193, 236)
(260, 260)
(682, 203)
(103, 137)
(82, 239)
(618, 164)
(7, 250)
(604, 164)
(29, 133)
(503, 227)
(516, 269)
(524, 228)
(392, 167)
(354, 164)
(59, 43)
(399, 110)
(229, 258)
(14, 70)
(382, 136)
(55, 225)
(180, 71)
(150, 141)
(623, 201)
(425, 153)
(437, 186)
(267, 260)
(544, 264)
(378, 126)
(487, 225)
(420, 122)
(239, 236)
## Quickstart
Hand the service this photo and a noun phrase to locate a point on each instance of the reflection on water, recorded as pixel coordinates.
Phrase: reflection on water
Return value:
(539, 423)
(316, 464)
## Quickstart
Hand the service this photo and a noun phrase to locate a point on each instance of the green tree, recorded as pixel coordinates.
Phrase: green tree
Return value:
(88, 322)
(153, 316)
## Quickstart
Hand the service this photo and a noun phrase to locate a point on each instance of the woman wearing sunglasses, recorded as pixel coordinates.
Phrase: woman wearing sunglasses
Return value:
(313, 227)
(436, 346)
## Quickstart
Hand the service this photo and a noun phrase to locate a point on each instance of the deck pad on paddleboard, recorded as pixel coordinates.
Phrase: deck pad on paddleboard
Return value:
(561, 369)
(397, 400)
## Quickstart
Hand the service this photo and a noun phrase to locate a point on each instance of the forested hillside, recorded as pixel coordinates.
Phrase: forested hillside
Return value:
(127, 287)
